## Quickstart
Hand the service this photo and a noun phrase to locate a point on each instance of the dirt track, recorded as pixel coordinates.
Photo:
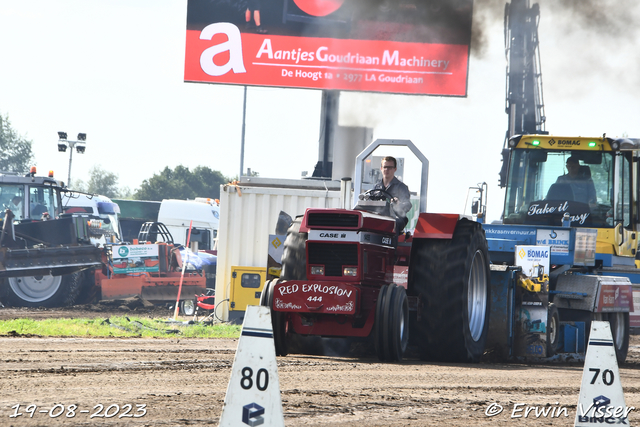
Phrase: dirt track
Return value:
(183, 382)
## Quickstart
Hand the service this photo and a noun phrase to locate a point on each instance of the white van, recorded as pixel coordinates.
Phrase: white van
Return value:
(176, 215)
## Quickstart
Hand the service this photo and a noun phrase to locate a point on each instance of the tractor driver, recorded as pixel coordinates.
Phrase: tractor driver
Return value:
(401, 201)
(16, 207)
(581, 183)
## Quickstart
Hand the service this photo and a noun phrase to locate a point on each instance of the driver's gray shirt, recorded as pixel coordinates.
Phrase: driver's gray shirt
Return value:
(398, 189)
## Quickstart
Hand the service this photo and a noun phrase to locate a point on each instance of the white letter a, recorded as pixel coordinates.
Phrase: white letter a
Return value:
(233, 45)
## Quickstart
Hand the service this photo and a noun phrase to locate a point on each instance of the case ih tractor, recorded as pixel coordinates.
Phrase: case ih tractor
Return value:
(338, 278)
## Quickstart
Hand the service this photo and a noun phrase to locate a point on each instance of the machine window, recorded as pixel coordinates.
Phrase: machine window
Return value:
(544, 185)
(12, 197)
(250, 280)
(202, 236)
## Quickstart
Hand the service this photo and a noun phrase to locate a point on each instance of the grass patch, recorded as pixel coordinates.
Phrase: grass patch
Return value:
(120, 326)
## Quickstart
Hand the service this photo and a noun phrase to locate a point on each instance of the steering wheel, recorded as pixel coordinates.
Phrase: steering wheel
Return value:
(378, 194)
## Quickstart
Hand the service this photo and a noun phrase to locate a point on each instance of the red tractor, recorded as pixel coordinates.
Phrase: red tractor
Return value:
(338, 278)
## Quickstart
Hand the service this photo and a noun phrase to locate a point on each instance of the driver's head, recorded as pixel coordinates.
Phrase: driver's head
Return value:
(573, 165)
(388, 167)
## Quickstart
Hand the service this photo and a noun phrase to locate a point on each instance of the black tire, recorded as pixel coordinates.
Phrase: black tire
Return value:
(264, 294)
(387, 320)
(281, 331)
(378, 325)
(294, 267)
(42, 291)
(294, 257)
(188, 307)
(391, 327)
(398, 319)
(452, 279)
(619, 323)
(553, 330)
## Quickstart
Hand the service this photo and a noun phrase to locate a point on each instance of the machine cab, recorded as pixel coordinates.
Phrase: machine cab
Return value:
(578, 182)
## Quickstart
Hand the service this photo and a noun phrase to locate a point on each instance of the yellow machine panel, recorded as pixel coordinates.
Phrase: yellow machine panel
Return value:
(246, 286)
(551, 142)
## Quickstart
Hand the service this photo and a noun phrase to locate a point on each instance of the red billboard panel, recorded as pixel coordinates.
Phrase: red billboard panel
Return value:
(409, 47)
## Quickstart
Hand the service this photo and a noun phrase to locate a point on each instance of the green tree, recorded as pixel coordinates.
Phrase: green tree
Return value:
(100, 182)
(103, 182)
(181, 183)
(15, 151)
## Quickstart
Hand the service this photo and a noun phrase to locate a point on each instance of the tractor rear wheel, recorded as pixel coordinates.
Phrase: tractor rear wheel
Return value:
(451, 277)
(42, 291)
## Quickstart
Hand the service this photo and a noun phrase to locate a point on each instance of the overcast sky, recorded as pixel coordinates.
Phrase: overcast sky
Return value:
(114, 70)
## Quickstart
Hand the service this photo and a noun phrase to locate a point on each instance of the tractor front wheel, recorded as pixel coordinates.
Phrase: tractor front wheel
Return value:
(553, 330)
(42, 291)
(391, 330)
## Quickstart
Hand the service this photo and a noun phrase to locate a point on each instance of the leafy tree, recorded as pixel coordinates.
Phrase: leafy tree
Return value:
(78, 185)
(100, 182)
(103, 182)
(15, 151)
(181, 183)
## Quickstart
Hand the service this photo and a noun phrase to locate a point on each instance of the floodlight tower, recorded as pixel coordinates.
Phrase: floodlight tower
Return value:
(79, 145)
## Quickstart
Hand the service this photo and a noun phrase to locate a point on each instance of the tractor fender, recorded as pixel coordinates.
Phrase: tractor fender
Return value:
(435, 226)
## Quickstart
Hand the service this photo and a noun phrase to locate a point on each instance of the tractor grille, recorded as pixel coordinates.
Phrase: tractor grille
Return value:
(333, 256)
(317, 219)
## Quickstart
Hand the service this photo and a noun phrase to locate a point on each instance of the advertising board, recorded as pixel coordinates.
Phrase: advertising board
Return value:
(135, 259)
(403, 46)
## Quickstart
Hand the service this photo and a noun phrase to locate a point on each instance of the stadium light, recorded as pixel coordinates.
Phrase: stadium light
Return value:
(79, 145)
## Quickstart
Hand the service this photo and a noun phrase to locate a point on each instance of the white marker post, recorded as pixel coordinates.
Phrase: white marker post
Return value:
(601, 398)
(253, 394)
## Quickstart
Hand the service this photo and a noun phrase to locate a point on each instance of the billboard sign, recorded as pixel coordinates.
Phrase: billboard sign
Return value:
(390, 46)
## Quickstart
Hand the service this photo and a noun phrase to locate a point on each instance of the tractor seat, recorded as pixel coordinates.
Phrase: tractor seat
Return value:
(560, 191)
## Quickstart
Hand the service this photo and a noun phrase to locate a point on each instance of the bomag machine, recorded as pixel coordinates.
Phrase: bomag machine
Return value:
(572, 205)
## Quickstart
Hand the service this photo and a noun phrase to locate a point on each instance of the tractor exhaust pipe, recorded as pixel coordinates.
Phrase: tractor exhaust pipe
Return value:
(345, 193)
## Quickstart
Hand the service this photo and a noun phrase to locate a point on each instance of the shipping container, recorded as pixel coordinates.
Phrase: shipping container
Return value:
(249, 212)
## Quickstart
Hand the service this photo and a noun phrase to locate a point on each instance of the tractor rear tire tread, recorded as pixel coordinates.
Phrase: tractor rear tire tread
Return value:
(439, 275)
